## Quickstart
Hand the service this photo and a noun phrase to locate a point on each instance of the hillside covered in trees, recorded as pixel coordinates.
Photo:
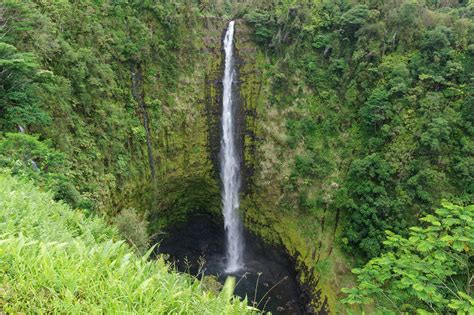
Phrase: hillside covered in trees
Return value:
(354, 126)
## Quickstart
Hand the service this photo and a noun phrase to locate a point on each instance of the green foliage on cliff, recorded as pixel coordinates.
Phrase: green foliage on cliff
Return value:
(427, 272)
(100, 80)
(377, 99)
(367, 124)
(22, 79)
(56, 260)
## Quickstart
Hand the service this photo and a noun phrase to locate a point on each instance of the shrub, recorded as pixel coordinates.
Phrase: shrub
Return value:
(133, 228)
(427, 272)
(28, 157)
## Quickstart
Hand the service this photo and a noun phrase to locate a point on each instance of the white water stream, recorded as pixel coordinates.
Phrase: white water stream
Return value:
(230, 162)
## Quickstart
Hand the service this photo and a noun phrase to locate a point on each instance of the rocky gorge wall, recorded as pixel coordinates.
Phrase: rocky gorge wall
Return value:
(266, 166)
(187, 141)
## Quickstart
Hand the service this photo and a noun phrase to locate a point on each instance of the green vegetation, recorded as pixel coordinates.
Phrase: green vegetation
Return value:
(29, 158)
(99, 80)
(383, 113)
(55, 260)
(133, 228)
(428, 272)
(359, 119)
(22, 80)
(370, 123)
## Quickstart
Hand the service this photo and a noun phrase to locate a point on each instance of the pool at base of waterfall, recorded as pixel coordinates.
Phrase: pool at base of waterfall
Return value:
(268, 279)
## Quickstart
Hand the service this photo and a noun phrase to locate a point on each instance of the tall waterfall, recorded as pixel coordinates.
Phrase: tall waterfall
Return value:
(230, 162)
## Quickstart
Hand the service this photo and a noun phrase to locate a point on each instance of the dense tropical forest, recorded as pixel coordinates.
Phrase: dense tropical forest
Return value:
(354, 125)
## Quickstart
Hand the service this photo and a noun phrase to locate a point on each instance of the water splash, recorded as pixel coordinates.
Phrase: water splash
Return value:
(230, 162)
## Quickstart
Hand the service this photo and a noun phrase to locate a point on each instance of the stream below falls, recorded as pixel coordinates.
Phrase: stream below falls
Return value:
(201, 242)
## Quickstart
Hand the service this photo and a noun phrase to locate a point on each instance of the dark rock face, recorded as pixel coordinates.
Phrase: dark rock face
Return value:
(247, 96)
(213, 106)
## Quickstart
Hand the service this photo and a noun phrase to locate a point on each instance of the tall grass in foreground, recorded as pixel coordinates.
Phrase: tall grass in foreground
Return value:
(55, 260)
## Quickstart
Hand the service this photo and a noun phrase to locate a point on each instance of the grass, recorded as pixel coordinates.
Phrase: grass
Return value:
(56, 260)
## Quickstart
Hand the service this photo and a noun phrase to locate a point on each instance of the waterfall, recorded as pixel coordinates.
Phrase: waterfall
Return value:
(230, 162)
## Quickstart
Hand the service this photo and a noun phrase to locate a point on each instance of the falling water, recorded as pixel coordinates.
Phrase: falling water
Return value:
(230, 162)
